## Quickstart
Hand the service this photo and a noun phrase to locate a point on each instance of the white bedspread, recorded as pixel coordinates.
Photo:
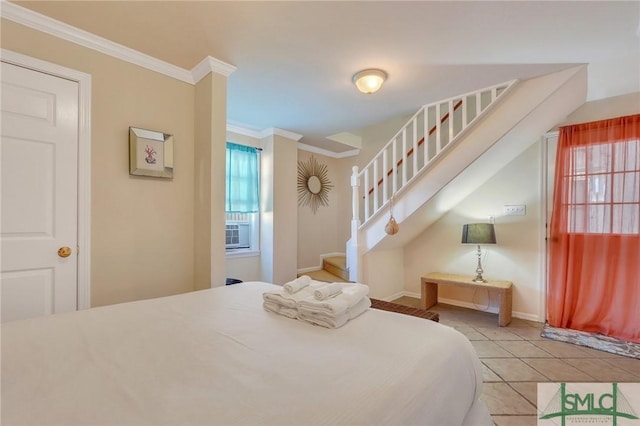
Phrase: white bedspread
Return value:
(216, 357)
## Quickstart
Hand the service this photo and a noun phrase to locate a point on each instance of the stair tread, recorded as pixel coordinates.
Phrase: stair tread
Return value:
(337, 261)
(322, 275)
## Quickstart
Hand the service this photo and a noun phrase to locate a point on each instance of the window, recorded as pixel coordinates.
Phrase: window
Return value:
(604, 188)
(242, 198)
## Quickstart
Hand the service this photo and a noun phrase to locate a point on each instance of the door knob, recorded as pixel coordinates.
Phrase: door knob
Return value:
(64, 251)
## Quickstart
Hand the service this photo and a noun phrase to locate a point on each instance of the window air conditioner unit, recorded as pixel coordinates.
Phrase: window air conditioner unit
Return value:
(237, 235)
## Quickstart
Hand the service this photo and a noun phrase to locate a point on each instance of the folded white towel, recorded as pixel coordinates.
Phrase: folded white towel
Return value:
(288, 300)
(330, 321)
(271, 307)
(298, 284)
(289, 312)
(280, 310)
(304, 293)
(359, 308)
(277, 297)
(351, 294)
(327, 291)
(323, 320)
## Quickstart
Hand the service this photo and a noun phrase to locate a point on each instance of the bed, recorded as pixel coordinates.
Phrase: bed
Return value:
(215, 357)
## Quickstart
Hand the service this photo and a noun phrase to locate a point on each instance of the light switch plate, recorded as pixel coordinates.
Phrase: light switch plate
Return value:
(515, 210)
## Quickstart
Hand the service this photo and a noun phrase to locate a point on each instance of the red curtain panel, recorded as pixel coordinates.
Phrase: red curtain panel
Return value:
(594, 262)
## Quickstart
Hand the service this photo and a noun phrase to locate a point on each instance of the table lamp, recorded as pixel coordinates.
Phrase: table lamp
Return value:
(478, 233)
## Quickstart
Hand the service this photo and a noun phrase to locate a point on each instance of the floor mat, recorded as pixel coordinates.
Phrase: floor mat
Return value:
(592, 340)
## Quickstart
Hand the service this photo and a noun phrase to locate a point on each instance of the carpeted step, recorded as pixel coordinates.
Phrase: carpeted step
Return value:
(322, 275)
(336, 265)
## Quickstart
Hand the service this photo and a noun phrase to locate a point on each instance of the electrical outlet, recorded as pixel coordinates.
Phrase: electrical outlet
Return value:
(515, 210)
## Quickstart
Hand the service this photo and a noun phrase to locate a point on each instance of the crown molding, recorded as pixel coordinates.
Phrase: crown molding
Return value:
(243, 131)
(210, 64)
(327, 153)
(272, 131)
(345, 154)
(47, 25)
(234, 128)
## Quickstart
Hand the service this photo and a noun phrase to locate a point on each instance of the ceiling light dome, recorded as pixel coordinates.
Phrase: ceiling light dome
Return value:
(369, 81)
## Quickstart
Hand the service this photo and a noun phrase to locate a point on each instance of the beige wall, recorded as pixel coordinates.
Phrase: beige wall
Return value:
(617, 106)
(142, 229)
(317, 232)
(388, 280)
(516, 256)
(209, 166)
(285, 204)
(278, 210)
(244, 268)
(218, 176)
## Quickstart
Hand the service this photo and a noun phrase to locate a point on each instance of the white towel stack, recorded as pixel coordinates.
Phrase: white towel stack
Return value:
(291, 293)
(335, 304)
(334, 321)
(315, 302)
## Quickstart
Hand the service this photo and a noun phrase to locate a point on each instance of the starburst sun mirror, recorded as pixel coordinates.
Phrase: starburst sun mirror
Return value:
(313, 184)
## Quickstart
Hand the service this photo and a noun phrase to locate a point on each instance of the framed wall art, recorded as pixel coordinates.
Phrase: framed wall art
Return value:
(150, 153)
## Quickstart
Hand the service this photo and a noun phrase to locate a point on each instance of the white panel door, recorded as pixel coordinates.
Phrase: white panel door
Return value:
(39, 150)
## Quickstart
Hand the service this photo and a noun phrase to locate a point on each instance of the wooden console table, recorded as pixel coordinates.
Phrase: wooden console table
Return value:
(503, 288)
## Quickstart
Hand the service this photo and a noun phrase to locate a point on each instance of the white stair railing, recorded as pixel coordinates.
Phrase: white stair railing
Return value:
(425, 138)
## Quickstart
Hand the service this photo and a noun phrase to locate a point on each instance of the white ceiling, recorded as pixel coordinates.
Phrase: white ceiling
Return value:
(295, 59)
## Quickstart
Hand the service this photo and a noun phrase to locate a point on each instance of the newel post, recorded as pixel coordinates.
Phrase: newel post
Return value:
(352, 244)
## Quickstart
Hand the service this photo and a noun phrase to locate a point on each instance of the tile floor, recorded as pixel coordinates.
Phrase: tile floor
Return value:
(515, 358)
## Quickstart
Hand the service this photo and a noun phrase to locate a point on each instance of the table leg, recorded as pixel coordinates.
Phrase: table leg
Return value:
(429, 294)
(504, 313)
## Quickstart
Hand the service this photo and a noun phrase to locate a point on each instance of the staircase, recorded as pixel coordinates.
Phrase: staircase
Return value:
(446, 151)
(334, 269)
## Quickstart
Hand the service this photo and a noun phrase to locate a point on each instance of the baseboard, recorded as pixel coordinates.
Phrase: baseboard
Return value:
(412, 294)
(394, 296)
(528, 317)
(493, 310)
(322, 256)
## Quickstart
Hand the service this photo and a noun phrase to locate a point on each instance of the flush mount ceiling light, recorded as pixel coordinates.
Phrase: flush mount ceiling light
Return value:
(369, 81)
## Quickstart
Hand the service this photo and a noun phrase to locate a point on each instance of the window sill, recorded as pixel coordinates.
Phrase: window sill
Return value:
(242, 253)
